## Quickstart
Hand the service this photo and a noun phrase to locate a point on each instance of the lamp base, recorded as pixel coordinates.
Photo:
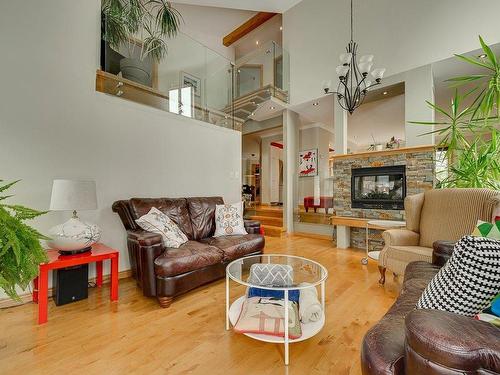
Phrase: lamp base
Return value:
(75, 252)
(73, 237)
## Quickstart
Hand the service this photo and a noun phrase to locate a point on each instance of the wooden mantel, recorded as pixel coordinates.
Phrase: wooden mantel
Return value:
(387, 152)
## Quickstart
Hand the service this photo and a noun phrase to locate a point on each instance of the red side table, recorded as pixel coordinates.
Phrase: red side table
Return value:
(98, 254)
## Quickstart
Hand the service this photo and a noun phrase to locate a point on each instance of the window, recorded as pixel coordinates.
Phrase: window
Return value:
(184, 106)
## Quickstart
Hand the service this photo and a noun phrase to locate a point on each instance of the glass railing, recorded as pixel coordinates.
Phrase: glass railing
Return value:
(192, 80)
(260, 75)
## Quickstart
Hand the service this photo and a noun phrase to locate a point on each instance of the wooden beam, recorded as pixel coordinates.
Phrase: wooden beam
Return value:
(247, 27)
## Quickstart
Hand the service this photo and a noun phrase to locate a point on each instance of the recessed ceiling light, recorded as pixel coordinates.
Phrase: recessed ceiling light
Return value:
(483, 56)
(281, 28)
(385, 93)
(257, 42)
(272, 107)
(315, 104)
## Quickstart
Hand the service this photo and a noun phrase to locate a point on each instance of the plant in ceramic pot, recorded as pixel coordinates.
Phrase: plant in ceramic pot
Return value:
(142, 27)
(20, 249)
(469, 133)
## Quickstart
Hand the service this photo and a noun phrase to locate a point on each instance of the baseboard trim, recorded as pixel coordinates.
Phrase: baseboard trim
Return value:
(311, 235)
(26, 297)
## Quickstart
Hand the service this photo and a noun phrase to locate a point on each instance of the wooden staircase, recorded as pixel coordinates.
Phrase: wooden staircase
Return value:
(271, 219)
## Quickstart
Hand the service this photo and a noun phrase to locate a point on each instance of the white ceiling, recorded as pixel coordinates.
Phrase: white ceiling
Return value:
(276, 6)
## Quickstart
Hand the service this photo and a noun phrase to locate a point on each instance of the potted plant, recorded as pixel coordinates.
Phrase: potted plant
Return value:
(20, 249)
(469, 134)
(142, 24)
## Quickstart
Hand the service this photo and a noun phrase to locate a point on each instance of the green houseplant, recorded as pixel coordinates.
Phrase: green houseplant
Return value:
(139, 24)
(469, 134)
(20, 249)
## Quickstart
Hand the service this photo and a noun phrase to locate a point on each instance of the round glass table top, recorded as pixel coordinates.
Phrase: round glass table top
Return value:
(276, 272)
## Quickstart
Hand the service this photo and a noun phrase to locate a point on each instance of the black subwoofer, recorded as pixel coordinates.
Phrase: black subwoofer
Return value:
(70, 284)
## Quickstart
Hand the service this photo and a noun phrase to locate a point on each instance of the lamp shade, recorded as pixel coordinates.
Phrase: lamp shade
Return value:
(69, 195)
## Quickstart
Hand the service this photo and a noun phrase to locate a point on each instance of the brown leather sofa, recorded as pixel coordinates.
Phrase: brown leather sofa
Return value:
(429, 342)
(167, 272)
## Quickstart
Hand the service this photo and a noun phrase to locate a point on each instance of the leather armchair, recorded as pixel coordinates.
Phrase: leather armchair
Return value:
(441, 214)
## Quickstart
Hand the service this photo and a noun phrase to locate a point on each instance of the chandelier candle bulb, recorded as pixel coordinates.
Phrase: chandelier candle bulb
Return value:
(346, 58)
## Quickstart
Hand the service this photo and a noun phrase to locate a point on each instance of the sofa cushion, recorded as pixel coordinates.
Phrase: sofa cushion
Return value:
(202, 214)
(190, 256)
(235, 247)
(175, 208)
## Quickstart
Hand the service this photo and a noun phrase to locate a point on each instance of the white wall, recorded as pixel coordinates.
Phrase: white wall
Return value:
(265, 168)
(383, 119)
(403, 35)
(53, 124)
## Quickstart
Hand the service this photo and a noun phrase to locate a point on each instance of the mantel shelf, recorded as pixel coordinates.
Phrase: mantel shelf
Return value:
(387, 152)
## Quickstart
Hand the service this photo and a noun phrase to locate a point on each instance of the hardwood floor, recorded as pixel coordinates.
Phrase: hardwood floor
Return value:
(136, 336)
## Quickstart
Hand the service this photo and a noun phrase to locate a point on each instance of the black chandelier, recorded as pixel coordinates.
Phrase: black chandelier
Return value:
(353, 84)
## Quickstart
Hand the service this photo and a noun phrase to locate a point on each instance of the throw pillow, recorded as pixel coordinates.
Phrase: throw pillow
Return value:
(468, 282)
(157, 222)
(266, 316)
(489, 230)
(271, 274)
(229, 220)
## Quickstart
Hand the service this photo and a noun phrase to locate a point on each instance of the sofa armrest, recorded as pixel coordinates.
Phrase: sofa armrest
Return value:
(441, 252)
(144, 247)
(252, 226)
(400, 237)
(443, 340)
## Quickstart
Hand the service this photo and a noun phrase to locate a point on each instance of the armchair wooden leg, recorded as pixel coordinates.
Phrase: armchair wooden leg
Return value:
(382, 275)
(165, 301)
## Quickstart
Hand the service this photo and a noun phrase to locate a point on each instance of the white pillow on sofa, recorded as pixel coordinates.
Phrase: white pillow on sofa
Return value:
(157, 222)
(229, 220)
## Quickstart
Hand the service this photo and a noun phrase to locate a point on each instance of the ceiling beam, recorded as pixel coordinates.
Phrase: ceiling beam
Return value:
(247, 27)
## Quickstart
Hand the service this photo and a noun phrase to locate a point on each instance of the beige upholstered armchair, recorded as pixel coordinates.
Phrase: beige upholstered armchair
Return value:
(441, 214)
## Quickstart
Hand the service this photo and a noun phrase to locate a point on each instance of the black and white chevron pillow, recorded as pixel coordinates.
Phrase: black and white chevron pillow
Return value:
(468, 281)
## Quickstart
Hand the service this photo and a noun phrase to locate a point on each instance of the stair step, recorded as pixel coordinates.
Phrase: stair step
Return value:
(268, 220)
(273, 231)
(269, 212)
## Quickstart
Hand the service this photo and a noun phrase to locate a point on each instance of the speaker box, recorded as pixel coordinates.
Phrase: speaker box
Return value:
(70, 284)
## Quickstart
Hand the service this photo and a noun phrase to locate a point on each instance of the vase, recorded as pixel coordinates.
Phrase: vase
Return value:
(136, 70)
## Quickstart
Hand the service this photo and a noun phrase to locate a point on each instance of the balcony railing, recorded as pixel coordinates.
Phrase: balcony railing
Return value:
(192, 81)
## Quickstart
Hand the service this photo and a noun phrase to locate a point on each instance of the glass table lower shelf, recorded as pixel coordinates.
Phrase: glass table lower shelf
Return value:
(308, 330)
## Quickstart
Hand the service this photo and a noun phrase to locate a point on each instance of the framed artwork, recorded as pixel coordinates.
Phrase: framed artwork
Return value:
(308, 163)
(189, 80)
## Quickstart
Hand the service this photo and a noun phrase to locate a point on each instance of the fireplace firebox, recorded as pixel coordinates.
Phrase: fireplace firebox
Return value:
(379, 187)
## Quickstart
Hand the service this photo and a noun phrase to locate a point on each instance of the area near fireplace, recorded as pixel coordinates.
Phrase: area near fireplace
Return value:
(378, 175)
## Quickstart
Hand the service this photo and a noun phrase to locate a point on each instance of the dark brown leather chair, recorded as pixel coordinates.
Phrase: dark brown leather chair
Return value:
(167, 272)
(429, 342)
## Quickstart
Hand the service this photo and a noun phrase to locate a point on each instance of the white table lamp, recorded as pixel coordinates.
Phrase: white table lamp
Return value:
(74, 236)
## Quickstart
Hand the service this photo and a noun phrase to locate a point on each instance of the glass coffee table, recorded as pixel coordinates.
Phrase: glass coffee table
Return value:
(304, 271)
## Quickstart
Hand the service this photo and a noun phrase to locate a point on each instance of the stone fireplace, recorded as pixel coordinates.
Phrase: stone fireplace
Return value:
(383, 171)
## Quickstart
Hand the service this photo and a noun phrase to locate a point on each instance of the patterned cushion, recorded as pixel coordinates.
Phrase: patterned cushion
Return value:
(489, 230)
(157, 222)
(270, 274)
(229, 220)
(266, 316)
(468, 281)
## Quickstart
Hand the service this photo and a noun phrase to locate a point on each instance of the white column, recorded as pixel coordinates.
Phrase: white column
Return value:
(340, 129)
(291, 124)
(419, 87)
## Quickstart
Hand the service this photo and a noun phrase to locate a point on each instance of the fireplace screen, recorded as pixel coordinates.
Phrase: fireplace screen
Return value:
(379, 187)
